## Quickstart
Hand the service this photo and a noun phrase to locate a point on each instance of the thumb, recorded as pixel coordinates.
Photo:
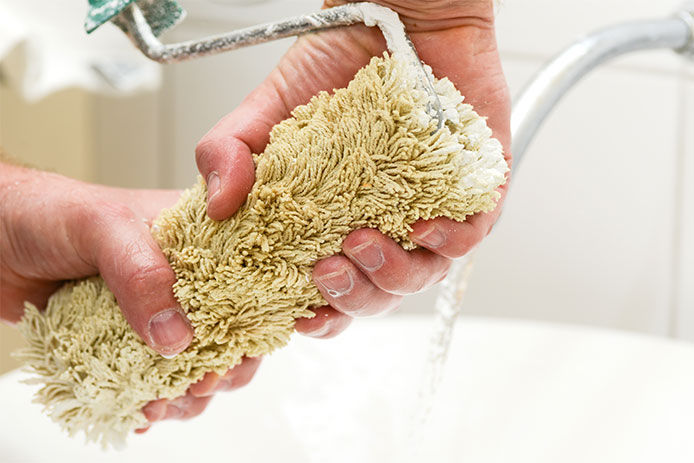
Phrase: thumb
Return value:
(139, 275)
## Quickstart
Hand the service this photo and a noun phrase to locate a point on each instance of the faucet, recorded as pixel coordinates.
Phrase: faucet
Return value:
(560, 74)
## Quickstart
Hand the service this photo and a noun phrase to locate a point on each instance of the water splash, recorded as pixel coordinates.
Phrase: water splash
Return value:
(448, 305)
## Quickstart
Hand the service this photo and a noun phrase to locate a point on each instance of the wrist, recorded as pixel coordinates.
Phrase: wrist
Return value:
(435, 15)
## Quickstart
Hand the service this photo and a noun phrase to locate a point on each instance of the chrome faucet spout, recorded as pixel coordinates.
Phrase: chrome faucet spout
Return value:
(556, 78)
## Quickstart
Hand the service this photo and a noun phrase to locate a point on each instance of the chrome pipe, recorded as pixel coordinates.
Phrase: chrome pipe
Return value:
(556, 78)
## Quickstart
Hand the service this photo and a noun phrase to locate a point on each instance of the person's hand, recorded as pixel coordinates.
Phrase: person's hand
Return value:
(199, 394)
(456, 38)
(53, 229)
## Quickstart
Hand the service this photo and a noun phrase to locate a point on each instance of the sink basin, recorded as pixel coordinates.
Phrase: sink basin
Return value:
(513, 391)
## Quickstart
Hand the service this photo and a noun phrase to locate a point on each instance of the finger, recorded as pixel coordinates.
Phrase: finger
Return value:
(206, 386)
(240, 375)
(349, 290)
(390, 267)
(186, 407)
(142, 430)
(227, 166)
(137, 273)
(453, 239)
(448, 237)
(155, 410)
(327, 323)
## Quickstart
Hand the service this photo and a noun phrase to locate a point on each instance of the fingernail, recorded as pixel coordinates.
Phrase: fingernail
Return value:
(337, 283)
(170, 332)
(213, 185)
(431, 238)
(369, 255)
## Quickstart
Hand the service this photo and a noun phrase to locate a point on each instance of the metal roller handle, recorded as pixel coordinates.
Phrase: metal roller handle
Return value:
(133, 22)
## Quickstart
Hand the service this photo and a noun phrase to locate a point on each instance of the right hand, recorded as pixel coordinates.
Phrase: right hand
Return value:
(373, 273)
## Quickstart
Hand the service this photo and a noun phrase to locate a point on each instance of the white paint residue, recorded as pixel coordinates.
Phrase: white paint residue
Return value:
(389, 22)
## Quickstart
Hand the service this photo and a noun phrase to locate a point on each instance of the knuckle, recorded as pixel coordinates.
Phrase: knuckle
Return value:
(100, 213)
(419, 284)
(148, 276)
(206, 152)
(353, 303)
(363, 304)
(117, 211)
(399, 282)
(90, 223)
(462, 244)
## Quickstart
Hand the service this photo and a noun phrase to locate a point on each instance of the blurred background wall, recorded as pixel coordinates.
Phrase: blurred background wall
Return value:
(598, 228)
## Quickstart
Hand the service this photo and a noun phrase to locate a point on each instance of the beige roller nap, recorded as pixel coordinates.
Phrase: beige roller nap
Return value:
(367, 156)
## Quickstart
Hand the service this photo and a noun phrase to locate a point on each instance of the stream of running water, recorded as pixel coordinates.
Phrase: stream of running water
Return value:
(448, 305)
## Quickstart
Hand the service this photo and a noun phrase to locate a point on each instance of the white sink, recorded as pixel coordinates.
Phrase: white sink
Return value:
(513, 392)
